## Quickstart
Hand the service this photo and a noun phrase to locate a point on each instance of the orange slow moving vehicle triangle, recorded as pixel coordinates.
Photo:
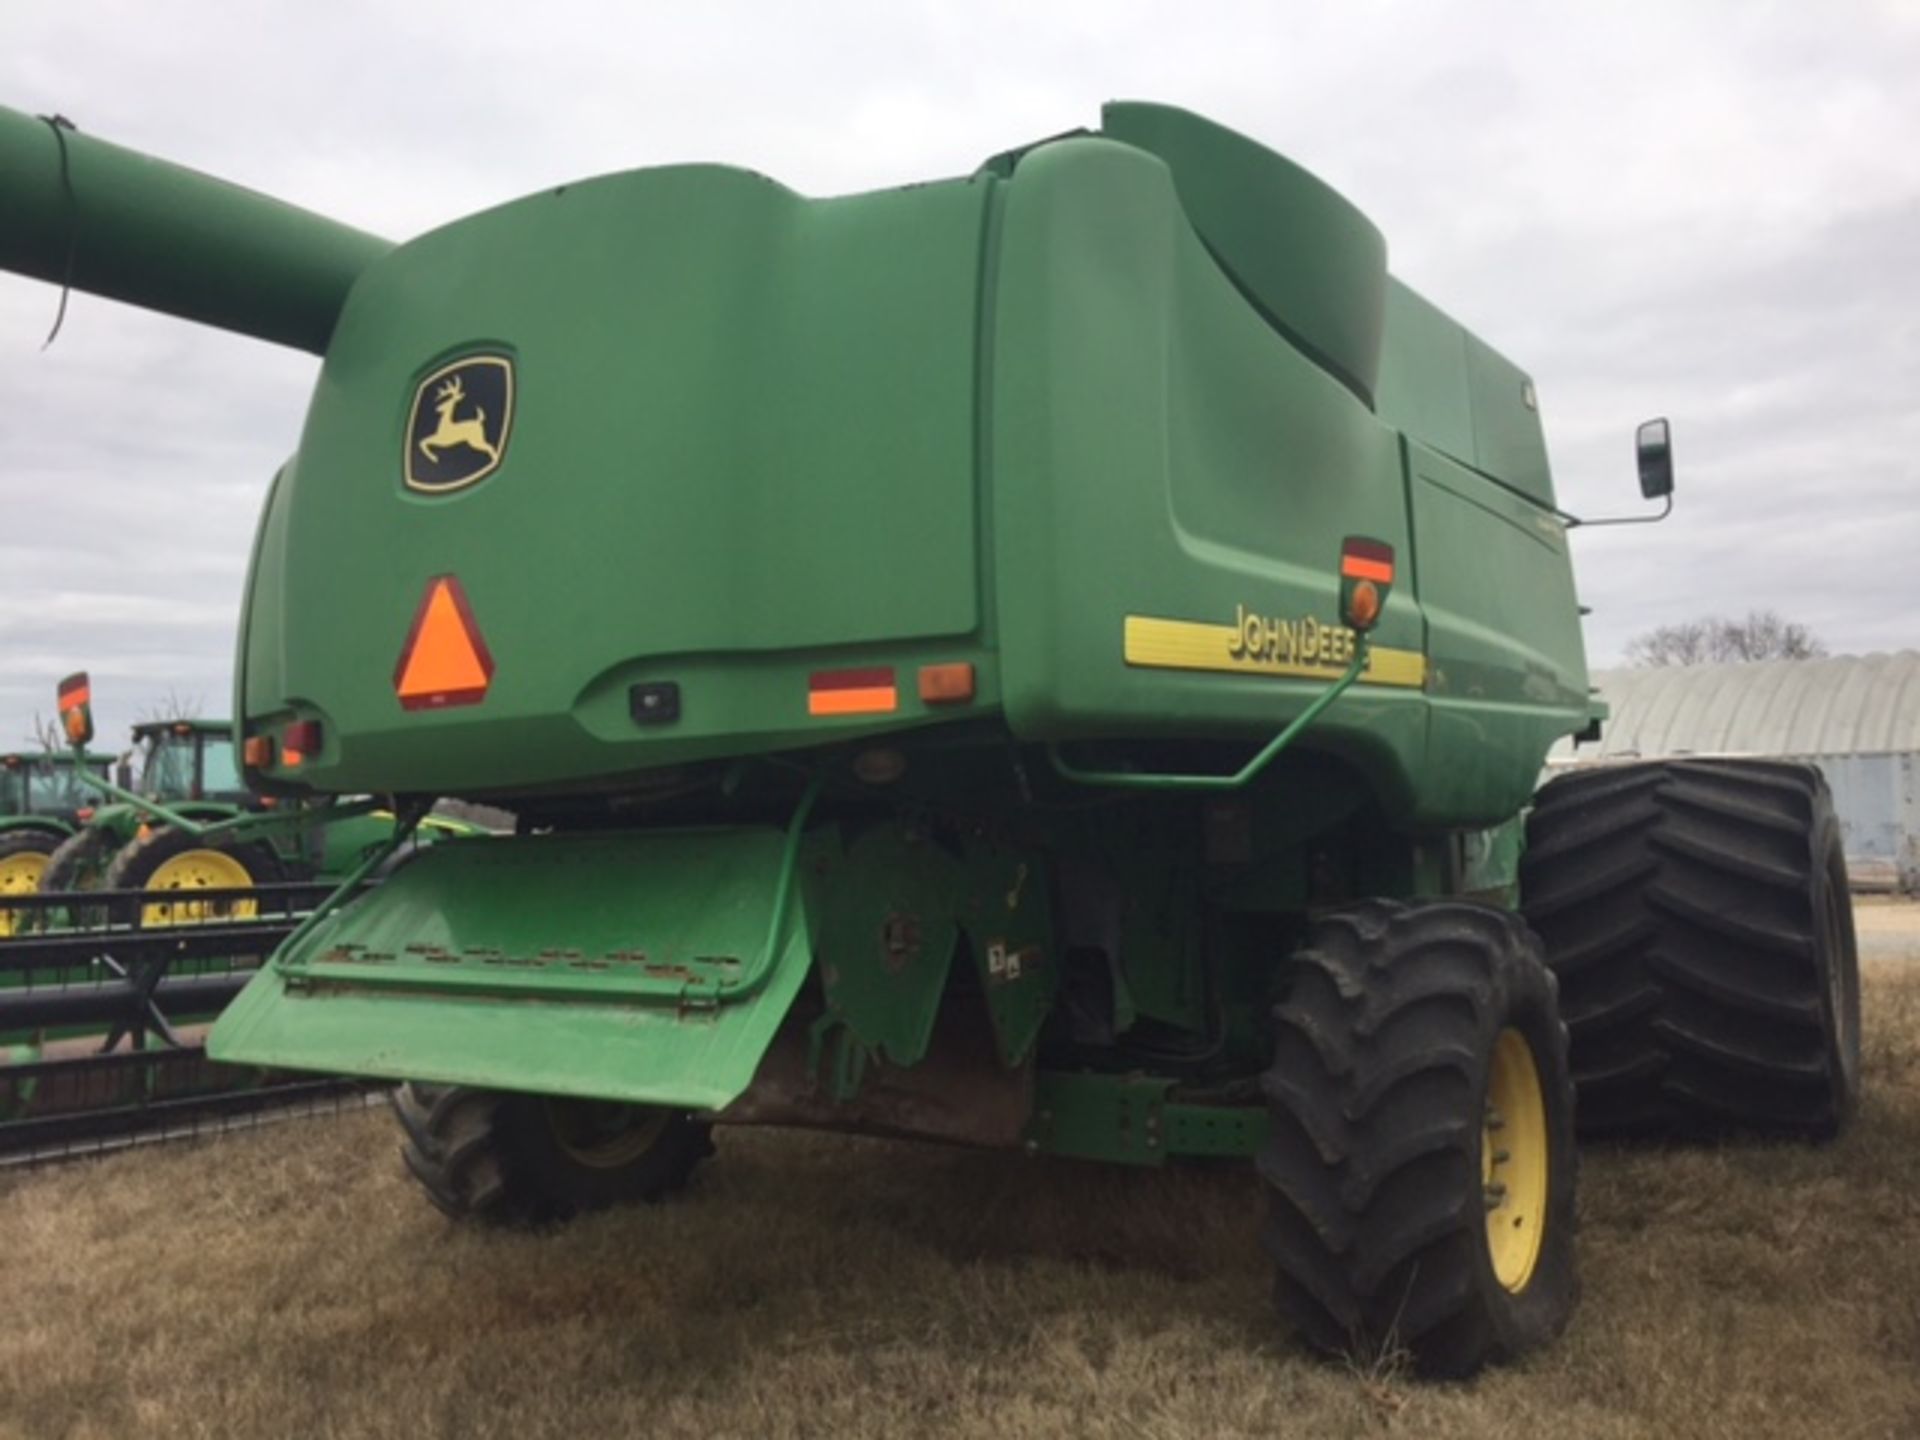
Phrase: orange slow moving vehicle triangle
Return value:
(444, 660)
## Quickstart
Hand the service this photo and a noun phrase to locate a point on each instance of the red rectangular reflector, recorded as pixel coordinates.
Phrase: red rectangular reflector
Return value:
(1364, 559)
(303, 737)
(871, 691)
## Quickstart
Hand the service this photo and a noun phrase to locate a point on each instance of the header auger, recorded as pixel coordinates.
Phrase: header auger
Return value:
(1051, 658)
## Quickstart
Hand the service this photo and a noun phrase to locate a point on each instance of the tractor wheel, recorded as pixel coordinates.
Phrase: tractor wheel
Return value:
(80, 861)
(172, 860)
(1697, 914)
(1422, 1166)
(534, 1159)
(24, 855)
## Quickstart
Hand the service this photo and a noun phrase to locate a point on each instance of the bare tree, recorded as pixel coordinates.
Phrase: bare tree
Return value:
(47, 734)
(1762, 635)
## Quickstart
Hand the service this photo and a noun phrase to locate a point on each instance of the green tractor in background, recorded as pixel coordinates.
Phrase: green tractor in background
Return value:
(42, 804)
(1055, 658)
(191, 823)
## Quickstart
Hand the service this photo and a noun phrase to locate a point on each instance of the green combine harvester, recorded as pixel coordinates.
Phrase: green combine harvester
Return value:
(42, 803)
(1057, 658)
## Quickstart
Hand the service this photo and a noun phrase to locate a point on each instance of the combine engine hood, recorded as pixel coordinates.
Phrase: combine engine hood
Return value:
(606, 479)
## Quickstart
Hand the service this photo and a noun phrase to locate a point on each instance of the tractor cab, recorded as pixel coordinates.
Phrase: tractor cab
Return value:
(47, 785)
(189, 760)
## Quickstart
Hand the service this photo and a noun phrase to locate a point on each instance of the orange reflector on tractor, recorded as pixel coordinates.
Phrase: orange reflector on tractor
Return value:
(257, 752)
(946, 684)
(853, 692)
(444, 660)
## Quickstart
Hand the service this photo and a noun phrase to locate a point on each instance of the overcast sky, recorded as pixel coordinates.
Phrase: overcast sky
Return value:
(1710, 211)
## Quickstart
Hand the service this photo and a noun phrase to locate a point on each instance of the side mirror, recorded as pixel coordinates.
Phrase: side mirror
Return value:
(76, 709)
(1653, 444)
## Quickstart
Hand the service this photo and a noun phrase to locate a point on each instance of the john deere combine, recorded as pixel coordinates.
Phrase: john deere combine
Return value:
(1052, 658)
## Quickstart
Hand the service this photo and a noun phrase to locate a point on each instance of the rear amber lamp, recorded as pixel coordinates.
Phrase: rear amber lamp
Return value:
(183, 729)
(257, 752)
(83, 814)
(1363, 605)
(302, 738)
(946, 684)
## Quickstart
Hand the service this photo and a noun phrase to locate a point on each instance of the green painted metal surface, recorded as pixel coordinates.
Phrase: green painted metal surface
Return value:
(618, 953)
(649, 479)
(117, 223)
(1130, 1119)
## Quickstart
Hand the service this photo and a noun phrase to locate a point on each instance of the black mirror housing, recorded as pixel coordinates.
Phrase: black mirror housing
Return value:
(1653, 445)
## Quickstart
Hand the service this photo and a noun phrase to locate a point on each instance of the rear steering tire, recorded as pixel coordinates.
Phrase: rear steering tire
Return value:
(1422, 1168)
(1698, 917)
(505, 1158)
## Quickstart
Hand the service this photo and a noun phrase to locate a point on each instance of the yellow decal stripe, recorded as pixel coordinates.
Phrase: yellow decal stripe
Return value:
(1188, 645)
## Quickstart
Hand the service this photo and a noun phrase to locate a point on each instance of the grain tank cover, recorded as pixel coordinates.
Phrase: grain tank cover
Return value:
(1304, 257)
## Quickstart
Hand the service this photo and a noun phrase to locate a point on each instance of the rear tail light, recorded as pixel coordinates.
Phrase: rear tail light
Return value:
(302, 739)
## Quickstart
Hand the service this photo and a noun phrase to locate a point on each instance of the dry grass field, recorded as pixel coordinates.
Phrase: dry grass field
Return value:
(290, 1283)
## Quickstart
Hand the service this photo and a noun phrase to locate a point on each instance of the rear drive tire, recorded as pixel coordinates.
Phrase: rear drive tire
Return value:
(505, 1158)
(80, 861)
(171, 860)
(1697, 914)
(1422, 1168)
(24, 856)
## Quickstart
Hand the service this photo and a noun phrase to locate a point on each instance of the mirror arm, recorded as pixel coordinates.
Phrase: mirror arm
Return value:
(1665, 510)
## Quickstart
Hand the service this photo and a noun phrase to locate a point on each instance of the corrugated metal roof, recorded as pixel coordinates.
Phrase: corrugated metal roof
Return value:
(1845, 705)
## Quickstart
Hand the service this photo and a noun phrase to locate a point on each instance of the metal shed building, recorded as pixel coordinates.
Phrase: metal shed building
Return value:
(1857, 716)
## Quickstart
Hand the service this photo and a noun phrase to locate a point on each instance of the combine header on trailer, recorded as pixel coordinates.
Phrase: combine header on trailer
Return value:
(1055, 657)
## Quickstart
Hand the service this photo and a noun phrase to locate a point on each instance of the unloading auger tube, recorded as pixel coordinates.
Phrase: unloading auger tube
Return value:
(109, 221)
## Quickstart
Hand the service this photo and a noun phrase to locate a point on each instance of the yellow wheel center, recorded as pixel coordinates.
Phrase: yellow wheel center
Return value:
(1513, 1160)
(19, 875)
(199, 870)
(603, 1134)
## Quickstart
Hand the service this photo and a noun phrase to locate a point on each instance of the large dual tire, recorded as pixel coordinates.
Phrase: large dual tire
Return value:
(515, 1159)
(1422, 1167)
(1697, 914)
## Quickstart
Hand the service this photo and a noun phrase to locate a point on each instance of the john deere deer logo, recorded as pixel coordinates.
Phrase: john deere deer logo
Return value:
(458, 431)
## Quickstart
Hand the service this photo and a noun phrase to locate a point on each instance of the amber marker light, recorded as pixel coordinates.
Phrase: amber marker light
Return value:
(257, 752)
(950, 684)
(1363, 608)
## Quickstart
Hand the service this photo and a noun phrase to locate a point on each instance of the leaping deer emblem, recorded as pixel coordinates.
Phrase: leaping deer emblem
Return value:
(448, 399)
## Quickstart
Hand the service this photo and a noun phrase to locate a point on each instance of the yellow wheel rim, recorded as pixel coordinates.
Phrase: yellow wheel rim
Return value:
(1513, 1161)
(604, 1135)
(19, 875)
(199, 870)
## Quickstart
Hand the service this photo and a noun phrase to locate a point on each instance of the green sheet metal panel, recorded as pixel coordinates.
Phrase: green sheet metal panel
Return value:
(1508, 668)
(594, 965)
(1165, 467)
(1300, 252)
(742, 428)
